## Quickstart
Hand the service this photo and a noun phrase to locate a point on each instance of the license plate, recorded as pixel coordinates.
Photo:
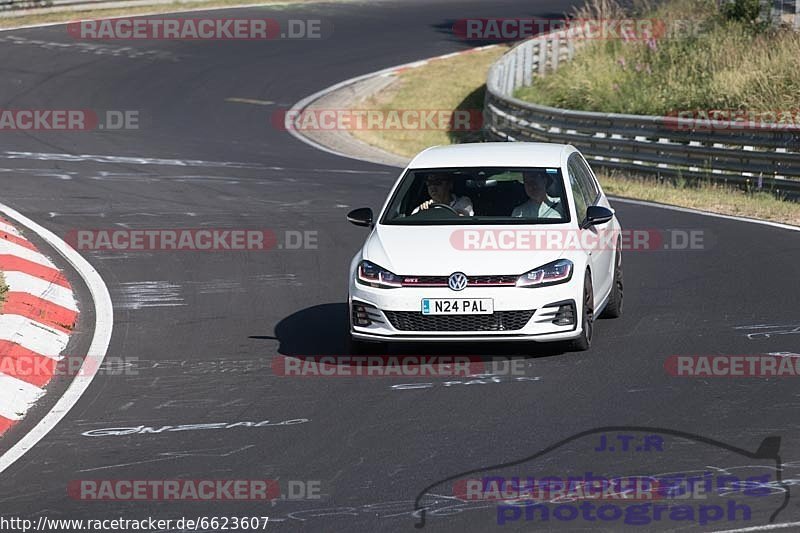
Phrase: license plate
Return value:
(457, 306)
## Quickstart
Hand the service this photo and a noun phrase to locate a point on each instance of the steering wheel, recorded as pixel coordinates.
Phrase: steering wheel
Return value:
(443, 206)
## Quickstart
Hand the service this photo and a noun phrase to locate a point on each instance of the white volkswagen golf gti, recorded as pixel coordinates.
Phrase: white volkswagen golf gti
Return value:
(488, 242)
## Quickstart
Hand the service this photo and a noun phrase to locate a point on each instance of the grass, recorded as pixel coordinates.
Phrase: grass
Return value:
(447, 84)
(710, 197)
(174, 7)
(458, 82)
(724, 64)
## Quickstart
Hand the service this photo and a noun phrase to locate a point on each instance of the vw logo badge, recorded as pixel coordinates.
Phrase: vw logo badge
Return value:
(457, 281)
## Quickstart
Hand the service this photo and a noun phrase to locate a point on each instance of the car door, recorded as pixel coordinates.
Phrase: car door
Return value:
(604, 253)
(579, 197)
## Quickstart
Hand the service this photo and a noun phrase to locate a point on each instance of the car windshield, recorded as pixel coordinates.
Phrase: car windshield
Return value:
(532, 195)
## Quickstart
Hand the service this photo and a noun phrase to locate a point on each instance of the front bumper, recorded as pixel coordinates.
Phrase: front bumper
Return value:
(520, 314)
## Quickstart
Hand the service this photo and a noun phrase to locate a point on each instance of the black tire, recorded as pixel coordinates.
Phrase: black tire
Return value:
(583, 342)
(614, 307)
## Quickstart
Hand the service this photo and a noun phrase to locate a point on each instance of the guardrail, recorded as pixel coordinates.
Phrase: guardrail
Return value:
(777, 12)
(785, 12)
(758, 159)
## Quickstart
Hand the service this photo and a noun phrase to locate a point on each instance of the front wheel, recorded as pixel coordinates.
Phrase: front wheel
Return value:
(583, 342)
(614, 307)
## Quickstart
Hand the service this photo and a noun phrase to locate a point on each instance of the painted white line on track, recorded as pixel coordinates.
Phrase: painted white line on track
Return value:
(768, 527)
(125, 160)
(103, 327)
(33, 336)
(24, 282)
(251, 101)
(16, 397)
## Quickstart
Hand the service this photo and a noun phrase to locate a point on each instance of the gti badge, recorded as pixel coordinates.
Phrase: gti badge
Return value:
(457, 281)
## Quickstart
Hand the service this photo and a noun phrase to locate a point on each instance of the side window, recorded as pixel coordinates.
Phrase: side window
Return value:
(582, 179)
(588, 179)
(577, 191)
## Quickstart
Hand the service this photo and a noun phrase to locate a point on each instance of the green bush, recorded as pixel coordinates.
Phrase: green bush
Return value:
(747, 11)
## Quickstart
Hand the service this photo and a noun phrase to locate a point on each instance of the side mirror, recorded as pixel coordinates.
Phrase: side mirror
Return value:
(361, 217)
(595, 215)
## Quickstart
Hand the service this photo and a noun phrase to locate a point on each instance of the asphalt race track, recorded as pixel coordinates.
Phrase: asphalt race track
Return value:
(200, 330)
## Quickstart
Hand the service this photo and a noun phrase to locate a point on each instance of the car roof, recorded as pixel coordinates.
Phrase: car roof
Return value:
(511, 154)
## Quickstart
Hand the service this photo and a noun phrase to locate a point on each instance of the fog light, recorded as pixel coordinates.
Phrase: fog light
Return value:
(565, 316)
(365, 315)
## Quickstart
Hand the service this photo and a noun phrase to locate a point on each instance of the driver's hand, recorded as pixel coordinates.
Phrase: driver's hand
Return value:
(425, 205)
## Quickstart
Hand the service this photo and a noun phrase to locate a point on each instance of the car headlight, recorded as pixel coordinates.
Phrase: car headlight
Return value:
(375, 276)
(550, 274)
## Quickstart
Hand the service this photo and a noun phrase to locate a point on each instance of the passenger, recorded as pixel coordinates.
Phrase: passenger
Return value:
(440, 189)
(539, 204)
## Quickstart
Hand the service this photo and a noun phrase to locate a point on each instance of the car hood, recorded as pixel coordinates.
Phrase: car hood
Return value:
(439, 251)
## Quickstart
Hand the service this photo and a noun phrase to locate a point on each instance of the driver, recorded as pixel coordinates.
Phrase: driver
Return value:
(440, 189)
(539, 204)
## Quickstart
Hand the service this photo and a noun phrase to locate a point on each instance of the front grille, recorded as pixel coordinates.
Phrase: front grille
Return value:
(499, 321)
(472, 281)
(492, 280)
